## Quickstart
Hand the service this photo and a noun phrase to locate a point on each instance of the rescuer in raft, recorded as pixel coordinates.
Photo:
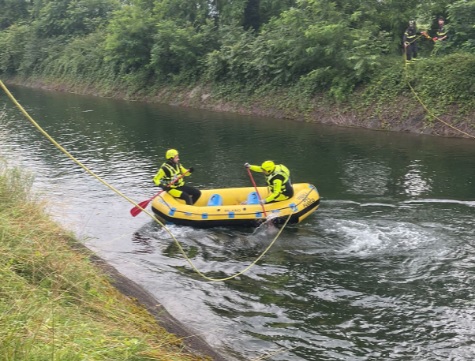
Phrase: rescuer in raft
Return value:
(170, 178)
(277, 178)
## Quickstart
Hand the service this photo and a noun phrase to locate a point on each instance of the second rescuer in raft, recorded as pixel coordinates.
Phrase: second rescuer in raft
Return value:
(277, 178)
(170, 178)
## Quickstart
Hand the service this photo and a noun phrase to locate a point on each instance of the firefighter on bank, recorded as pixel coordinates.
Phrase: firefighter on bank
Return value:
(277, 178)
(410, 41)
(442, 33)
(170, 178)
(440, 40)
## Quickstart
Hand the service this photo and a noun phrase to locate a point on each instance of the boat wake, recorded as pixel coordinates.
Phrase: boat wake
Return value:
(442, 201)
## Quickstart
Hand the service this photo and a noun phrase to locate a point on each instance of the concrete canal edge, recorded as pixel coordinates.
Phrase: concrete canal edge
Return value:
(403, 115)
(194, 343)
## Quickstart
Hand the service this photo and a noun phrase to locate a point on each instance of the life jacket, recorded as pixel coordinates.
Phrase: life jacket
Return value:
(283, 173)
(172, 170)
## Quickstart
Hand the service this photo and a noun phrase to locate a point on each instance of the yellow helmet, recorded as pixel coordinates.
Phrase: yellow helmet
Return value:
(171, 153)
(268, 166)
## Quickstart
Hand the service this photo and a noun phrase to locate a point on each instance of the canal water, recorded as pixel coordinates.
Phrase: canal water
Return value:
(384, 270)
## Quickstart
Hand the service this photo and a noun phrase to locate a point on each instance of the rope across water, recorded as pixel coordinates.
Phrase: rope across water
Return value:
(119, 193)
(406, 67)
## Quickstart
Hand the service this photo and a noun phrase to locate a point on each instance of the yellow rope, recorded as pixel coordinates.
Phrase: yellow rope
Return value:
(425, 107)
(32, 121)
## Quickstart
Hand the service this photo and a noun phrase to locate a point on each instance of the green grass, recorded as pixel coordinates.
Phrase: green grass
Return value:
(55, 304)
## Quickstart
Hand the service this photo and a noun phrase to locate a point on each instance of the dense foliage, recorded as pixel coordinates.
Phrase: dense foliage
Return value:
(316, 46)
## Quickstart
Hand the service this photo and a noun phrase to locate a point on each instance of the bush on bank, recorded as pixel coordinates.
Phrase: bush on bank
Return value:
(298, 59)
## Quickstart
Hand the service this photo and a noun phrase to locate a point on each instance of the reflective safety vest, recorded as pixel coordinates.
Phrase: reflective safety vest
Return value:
(171, 171)
(280, 172)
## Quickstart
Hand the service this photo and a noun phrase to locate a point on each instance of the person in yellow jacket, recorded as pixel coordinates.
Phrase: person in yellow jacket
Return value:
(170, 178)
(277, 178)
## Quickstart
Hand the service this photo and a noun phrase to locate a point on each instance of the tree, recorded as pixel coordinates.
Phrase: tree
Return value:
(12, 53)
(462, 27)
(71, 17)
(178, 50)
(196, 12)
(13, 11)
(252, 19)
(130, 39)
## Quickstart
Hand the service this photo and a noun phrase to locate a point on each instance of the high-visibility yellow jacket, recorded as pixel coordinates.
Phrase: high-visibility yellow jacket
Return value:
(279, 183)
(168, 172)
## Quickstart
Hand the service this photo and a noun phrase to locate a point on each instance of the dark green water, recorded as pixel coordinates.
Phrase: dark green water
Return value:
(383, 270)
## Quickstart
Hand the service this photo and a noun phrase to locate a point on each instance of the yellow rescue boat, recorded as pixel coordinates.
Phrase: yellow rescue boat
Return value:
(237, 207)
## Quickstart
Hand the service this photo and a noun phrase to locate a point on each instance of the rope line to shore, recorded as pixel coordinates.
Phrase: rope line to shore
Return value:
(425, 107)
(115, 190)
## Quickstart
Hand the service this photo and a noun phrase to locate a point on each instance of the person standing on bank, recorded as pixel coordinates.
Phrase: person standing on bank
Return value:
(442, 33)
(277, 178)
(410, 41)
(440, 40)
(170, 178)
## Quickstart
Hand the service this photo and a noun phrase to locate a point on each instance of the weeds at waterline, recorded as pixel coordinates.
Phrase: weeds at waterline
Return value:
(54, 303)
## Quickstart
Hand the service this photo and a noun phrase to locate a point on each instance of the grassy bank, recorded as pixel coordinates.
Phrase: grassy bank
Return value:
(440, 103)
(55, 303)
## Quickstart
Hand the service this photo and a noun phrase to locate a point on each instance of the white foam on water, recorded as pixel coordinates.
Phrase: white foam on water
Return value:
(378, 205)
(265, 229)
(365, 237)
(171, 229)
(334, 202)
(442, 201)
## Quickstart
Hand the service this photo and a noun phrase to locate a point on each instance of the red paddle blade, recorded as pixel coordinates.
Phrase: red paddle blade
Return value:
(136, 210)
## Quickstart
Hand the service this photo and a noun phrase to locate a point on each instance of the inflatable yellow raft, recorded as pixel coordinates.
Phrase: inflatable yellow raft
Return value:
(236, 207)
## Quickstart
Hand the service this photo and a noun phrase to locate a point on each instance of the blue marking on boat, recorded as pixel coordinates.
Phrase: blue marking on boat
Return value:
(231, 215)
(252, 198)
(204, 215)
(172, 211)
(258, 214)
(215, 200)
(293, 207)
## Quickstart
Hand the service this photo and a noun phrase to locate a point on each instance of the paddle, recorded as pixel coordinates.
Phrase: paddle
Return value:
(142, 205)
(258, 195)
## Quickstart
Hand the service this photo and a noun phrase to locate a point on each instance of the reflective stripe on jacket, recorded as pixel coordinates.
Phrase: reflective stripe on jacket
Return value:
(441, 32)
(280, 186)
(410, 35)
(168, 172)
